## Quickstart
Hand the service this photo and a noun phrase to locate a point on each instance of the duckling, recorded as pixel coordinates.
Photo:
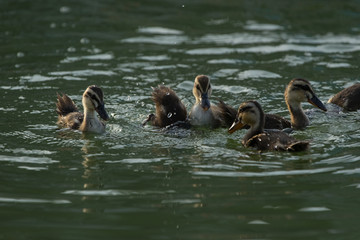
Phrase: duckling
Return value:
(69, 115)
(297, 91)
(168, 108)
(250, 113)
(348, 98)
(203, 113)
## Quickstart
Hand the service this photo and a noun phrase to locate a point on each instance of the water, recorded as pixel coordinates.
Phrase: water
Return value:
(145, 183)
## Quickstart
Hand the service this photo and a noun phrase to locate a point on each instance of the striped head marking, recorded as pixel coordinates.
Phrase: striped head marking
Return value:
(202, 91)
(93, 98)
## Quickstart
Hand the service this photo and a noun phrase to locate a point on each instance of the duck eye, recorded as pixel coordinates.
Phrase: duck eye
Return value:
(303, 87)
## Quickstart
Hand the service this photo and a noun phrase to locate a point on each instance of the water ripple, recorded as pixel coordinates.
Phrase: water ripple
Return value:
(33, 200)
(27, 159)
(160, 40)
(112, 192)
(104, 56)
(265, 174)
(268, 49)
(159, 30)
(236, 38)
(83, 73)
(257, 74)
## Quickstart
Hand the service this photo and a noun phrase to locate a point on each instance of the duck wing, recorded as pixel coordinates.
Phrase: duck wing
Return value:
(65, 105)
(168, 107)
(227, 113)
(273, 121)
(276, 140)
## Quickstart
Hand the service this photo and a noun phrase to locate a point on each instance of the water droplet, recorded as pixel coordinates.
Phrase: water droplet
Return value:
(64, 9)
(71, 49)
(84, 41)
(169, 115)
(20, 54)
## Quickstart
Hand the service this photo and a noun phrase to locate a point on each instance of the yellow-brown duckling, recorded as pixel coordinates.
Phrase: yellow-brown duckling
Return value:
(348, 98)
(297, 91)
(203, 113)
(92, 101)
(168, 108)
(250, 113)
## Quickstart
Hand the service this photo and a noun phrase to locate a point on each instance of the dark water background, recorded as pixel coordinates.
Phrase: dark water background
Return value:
(142, 183)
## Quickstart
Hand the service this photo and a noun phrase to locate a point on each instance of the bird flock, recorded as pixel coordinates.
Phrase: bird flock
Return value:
(265, 131)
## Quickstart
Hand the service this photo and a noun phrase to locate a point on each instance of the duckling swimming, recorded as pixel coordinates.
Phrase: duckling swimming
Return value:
(298, 91)
(250, 113)
(92, 101)
(203, 113)
(348, 98)
(168, 108)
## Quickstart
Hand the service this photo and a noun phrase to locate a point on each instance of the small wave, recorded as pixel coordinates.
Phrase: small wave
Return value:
(137, 160)
(83, 73)
(160, 40)
(257, 74)
(265, 174)
(325, 39)
(27, 159)
(111, 192)
(236, 38)
(102, 57)
(181, 201)
(314, 209)
(334, 65)
(37, 78)
(253, 25)
(159, 30)
(33, 200)
(268, 49)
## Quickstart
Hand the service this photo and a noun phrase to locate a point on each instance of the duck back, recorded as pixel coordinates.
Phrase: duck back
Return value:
(169, 108)
(348, 98)
(276, 140)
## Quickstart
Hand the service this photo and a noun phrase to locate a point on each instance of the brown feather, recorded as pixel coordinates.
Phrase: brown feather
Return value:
(278, 141)
(227, 113)
(273, 121)
(348, 98)
(168, 108)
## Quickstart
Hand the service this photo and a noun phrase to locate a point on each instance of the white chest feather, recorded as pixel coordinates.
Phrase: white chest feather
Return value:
(199, 116)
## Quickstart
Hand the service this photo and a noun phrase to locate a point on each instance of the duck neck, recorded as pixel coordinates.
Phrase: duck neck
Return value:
(255, 129)
(298, 118)
(91, 122)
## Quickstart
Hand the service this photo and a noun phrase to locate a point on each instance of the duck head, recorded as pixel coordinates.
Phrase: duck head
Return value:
(93, 99)
(300, 90)
(250, 113)
(202, 91)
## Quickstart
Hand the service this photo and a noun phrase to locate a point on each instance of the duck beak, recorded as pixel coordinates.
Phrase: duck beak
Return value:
(317, 103)
(236, 126)
(205, 103)
(102, 112)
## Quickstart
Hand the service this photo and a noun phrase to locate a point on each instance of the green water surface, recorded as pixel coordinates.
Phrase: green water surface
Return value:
(138, 182)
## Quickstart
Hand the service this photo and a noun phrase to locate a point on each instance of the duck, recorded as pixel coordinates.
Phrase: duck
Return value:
(348, 98)
(169, 109)
(297, 91)
(92, 101)
(203, 113)
(250, 113)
